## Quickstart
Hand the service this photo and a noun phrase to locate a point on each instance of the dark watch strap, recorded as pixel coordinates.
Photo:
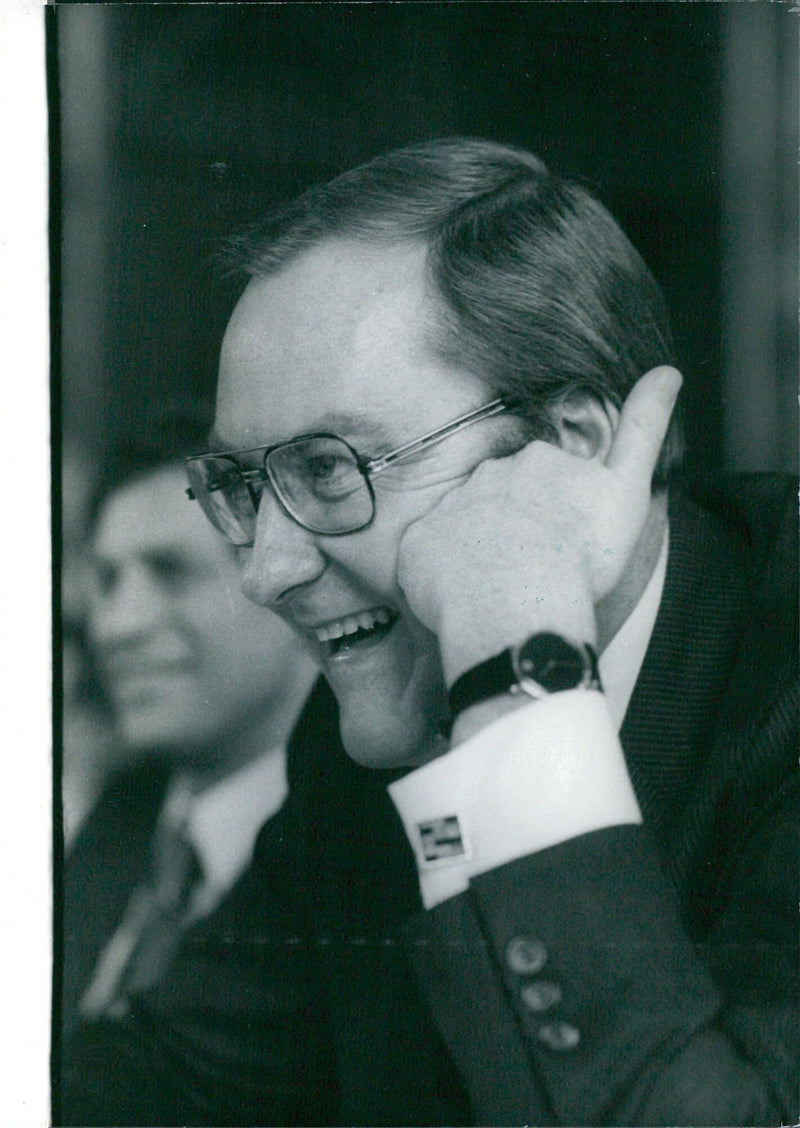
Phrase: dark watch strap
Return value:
(487, 679)
(545, 663)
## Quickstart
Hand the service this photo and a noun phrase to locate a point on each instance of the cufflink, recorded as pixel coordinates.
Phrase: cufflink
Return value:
(441, 841)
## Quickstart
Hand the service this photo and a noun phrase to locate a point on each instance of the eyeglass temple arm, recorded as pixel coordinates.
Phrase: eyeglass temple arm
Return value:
(376, 465)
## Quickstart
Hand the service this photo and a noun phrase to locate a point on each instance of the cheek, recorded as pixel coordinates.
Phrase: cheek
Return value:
(369, 556)
(261, 654)
(373, 553)
(212, 626)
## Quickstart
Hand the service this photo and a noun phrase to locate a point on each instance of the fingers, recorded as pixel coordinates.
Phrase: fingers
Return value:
(643, 423)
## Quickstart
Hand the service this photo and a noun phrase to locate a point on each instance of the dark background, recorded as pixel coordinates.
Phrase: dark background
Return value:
(180, 123)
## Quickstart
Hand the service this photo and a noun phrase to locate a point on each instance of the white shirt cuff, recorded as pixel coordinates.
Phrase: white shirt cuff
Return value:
(537, 776)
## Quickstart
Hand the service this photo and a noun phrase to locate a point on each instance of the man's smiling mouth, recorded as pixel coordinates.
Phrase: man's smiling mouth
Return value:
(339, 636)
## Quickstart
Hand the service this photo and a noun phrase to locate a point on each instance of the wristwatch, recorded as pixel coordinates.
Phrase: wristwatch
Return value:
(543, 664)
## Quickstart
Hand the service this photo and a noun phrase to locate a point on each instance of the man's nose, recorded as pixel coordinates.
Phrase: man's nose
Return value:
(130, 609)
(284, 556)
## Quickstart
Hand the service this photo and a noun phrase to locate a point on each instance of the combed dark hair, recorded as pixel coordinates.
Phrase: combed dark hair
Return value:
(542, 294)
(172, 429)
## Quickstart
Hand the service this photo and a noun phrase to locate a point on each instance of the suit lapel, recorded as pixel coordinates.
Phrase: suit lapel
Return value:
(670, 719)
(107, 863)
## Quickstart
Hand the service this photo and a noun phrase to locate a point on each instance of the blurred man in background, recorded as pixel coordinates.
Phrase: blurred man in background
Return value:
(86, 732)
(204, 696)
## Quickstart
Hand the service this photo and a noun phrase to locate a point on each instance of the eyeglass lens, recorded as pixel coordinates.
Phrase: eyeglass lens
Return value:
(318, 480)
(224, 496)
(321, 484)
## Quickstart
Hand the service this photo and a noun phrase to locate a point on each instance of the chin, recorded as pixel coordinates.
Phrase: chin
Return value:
(383, 752)
(157, 735)
(397, 739)
(391, 704)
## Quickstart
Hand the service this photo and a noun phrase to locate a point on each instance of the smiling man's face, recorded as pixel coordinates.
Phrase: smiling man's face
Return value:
(339, 341)
(189, 666)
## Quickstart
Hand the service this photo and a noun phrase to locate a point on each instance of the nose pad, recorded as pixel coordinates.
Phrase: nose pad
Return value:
(283, 556)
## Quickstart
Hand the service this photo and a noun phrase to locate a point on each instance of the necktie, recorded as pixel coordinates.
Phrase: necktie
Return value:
(142, 948)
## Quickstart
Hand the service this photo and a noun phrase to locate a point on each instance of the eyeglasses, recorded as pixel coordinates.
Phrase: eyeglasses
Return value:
(320, 481)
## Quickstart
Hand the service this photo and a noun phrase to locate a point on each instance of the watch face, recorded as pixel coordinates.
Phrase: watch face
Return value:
(552, 662)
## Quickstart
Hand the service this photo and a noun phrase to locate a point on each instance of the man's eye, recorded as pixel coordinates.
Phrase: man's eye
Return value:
(173, 572)
(167, 569)
(104, 576)
(323, 467)
(225, 478)
(331, 475)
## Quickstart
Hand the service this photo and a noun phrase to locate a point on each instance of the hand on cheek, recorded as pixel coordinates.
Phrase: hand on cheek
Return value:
(534, 541)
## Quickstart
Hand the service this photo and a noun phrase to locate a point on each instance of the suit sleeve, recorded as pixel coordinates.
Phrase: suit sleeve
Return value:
(570, 992)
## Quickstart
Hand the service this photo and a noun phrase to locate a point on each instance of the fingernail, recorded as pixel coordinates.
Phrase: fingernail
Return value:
(670, 380)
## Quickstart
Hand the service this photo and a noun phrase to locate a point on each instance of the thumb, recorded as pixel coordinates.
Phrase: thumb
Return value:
(643, 423)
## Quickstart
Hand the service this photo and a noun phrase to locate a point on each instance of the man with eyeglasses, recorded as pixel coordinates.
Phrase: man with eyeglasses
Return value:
(443, 444)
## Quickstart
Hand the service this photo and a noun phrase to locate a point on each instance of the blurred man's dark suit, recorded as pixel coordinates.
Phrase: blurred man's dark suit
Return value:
(674, 946)
(239, 995)
(107, 862)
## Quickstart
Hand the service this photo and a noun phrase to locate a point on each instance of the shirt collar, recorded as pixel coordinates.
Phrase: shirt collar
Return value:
(222, 821)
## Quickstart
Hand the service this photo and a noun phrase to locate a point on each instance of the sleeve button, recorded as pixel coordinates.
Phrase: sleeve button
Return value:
(559, 1036)
(525, 955)
(541, 995)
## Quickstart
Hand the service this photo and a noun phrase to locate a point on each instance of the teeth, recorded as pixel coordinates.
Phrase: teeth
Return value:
(364, 620)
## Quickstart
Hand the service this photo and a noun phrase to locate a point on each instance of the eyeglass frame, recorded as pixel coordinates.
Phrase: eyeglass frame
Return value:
(369, 468)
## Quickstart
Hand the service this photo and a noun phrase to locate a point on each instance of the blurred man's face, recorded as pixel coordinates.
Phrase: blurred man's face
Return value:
(187, 662)
(339, 341)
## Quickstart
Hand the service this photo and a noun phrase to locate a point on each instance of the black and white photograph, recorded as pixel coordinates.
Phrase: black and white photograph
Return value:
(424, 384)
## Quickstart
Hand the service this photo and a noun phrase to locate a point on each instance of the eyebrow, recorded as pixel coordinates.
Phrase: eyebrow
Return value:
(150, 554)
(355, 426)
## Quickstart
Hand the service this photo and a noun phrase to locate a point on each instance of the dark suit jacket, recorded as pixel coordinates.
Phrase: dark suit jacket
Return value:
(673, 946)
(236, 1032)
(108, 860)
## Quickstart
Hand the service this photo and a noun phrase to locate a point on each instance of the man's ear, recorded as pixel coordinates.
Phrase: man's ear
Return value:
(585, 424)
